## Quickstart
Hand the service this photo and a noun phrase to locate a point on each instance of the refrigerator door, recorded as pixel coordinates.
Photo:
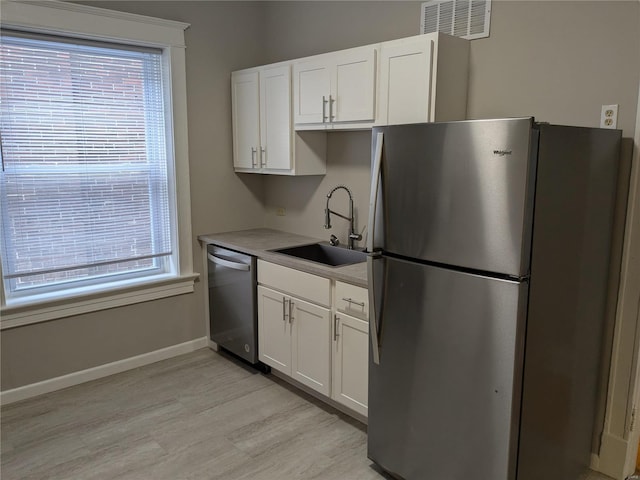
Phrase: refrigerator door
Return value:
(459, 193)
(443, 400)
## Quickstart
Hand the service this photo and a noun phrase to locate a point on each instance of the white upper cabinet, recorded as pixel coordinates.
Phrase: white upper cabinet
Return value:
(263, 136)
(405, 82)
(353, 98)
(280, 118)
(275, 118)
(245, 103)
(335, 90)
(423, 79)
(311, 90)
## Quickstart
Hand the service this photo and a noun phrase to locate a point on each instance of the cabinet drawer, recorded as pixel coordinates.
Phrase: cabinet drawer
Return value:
(294, 282)
(352, 300)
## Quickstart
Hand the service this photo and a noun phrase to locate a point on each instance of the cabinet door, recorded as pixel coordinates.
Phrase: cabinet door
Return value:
(311, 90)
(274, 330)
(311, 340)
(351, 362)
(245, 105)
(405, 82)
(353, 86)
(275, 120)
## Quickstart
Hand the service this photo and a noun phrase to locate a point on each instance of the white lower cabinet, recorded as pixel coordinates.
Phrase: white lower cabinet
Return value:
(350, 362)
(294, 338)
(311, 345)
(298, 336)
(274, 330)
(294, 335)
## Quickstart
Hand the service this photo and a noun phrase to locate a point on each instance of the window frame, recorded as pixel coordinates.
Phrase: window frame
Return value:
(91, 23)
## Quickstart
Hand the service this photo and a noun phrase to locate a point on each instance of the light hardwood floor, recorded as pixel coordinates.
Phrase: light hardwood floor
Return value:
(198, 416)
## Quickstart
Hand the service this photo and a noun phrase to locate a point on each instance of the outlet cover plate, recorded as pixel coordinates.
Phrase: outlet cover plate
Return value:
(609, 116)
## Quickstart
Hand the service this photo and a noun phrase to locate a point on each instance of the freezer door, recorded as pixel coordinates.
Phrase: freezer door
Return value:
(444, 399)
(459, 193)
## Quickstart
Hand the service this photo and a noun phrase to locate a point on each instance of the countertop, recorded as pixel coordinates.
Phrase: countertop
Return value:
(259, 242)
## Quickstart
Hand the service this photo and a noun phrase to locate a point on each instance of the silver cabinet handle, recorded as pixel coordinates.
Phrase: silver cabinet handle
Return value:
(331, 102)
(229, 264)
(336, 326)
(350, 301)
(284, 309)
(253, 157)
(324, 109)
(291, 305)
(263, 156)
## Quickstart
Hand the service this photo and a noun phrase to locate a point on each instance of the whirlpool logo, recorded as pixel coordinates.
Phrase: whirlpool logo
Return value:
(502, 153)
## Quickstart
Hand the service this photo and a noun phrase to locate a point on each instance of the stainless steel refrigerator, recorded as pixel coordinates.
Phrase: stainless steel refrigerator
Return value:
(488, 277)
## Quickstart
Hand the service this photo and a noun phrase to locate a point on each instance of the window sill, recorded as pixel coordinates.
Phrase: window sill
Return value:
(21, 314)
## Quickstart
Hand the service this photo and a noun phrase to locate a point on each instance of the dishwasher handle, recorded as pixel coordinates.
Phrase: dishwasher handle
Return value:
(229, 264)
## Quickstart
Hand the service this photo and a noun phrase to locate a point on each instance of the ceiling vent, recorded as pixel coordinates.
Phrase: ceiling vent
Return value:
(468, 19)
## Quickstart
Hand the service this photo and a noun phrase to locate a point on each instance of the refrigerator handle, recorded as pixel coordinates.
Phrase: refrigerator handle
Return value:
(375, 185)
(373, 202)
(373, 316)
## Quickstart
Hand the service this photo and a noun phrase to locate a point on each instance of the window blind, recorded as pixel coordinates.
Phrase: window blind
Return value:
(84, 183)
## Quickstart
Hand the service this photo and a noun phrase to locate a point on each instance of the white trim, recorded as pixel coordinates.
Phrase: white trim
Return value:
(76, 378)
(26, 315)
(180, 144)
(611, 458)
(74, 7)
(633, 291)
(83, 21)
(619, 444)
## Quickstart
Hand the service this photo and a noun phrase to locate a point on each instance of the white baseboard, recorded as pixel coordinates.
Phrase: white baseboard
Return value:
(76, 378)
(611, 460)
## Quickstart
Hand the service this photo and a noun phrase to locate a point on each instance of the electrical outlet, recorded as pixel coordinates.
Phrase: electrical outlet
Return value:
(609, 116)
(281, 212)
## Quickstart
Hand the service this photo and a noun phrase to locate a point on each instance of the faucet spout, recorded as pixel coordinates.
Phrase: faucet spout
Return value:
(350, 218)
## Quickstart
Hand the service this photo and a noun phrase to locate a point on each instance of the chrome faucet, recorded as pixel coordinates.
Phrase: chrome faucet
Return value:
(327, 215)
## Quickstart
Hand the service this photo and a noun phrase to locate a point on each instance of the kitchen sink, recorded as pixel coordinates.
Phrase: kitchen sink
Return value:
(325, 254)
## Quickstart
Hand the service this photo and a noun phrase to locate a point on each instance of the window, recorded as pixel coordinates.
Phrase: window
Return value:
(94, 184)
(84, 187)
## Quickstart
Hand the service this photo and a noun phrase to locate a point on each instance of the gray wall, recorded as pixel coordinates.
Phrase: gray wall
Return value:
(559, 61)
(304, 198)
(556, 60)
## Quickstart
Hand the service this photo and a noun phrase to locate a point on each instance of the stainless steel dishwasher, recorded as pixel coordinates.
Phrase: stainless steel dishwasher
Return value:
(233, 318)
